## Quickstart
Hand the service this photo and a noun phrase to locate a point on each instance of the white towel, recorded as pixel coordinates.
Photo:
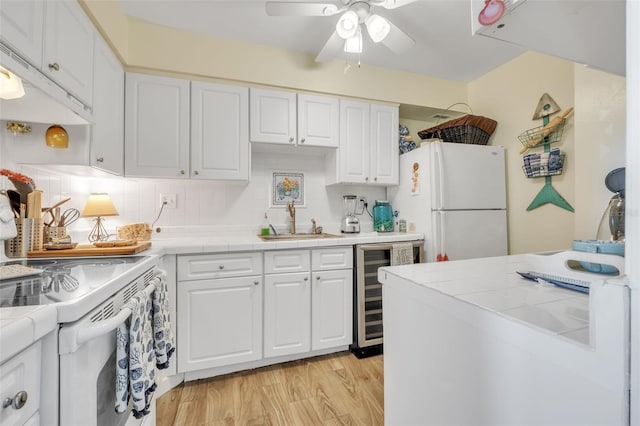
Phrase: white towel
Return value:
(162, 335)
(135, 375)
(401, 254)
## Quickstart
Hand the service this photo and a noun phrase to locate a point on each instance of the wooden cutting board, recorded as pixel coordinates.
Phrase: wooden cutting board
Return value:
(90, 250)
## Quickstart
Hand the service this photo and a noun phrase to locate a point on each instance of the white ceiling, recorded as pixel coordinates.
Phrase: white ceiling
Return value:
(444, 48)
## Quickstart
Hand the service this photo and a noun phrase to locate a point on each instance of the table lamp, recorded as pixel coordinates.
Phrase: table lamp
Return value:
(98, 205)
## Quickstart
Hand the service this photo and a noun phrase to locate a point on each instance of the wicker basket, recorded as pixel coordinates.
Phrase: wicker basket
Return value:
(472, 129)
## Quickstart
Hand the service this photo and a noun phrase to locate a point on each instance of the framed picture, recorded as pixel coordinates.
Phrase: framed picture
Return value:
(287, 187)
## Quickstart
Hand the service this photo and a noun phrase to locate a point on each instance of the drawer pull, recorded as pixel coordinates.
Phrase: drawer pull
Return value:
(317, 277)
(306, 278)
(54, 66)
(221, 267)
(256, 282)
(17, 401)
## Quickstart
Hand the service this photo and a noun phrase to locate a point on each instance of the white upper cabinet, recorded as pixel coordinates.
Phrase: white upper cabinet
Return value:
(107, 134)
(368, 151)
(286, 118)
(273, 116)
(219, 131)
(21, 26)
(385, 162)
(354, 142)
(68, 48)
(318, 121)
(156, 126)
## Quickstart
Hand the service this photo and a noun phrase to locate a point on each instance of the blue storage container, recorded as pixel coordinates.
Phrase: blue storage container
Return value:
(599, 246)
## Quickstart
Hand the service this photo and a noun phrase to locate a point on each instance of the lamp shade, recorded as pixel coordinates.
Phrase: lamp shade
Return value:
(347, 25)
(377, 27)
(99, 204)
(10, 85)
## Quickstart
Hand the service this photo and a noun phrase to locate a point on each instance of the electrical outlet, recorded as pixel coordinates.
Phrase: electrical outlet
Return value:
(169, 201)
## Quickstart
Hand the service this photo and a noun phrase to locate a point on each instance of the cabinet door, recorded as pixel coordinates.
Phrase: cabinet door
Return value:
(156, 126)
(331, 309)
(68, 48)
(219, 131)
(287, 314)
(273, 116)
(318, 121)
(384, 145)
(21, 374)
(107, 133)
(21, 26)
(354, 142)
(220, 322)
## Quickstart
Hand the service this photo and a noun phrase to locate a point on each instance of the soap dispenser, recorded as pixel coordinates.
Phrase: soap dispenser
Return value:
(264, 228)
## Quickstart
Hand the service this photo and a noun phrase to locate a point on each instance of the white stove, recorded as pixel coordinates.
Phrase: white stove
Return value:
(74, 285)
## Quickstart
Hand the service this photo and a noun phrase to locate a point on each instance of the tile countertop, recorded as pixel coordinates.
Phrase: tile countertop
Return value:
(250, 242)
(21, 326)
(493, 284)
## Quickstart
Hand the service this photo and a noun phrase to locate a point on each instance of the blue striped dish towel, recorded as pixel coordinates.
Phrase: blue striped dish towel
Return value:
(135, 375)
(162, 335)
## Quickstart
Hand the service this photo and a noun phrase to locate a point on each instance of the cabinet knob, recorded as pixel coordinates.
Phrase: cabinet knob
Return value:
(306, 278)
(375, 178)
(366, 179)
(317, 277)
(54, 66)
(290, 140)
(100, 160)
(195, 172)
(302, 140)
(256, 282)
(221, 267)
(17, 401)
(181, 172)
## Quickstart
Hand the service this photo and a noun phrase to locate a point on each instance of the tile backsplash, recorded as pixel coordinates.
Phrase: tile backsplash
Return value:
(215, 206)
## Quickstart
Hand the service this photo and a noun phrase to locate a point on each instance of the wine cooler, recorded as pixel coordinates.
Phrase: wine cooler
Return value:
(367, 297)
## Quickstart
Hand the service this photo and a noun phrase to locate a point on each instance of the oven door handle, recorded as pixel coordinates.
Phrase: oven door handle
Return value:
(102, 327)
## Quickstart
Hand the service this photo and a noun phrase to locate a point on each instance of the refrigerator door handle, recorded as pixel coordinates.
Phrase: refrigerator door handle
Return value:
(440, 243)
(438, 163)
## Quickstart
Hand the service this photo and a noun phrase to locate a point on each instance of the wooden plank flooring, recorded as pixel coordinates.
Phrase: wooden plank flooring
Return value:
(336, 389)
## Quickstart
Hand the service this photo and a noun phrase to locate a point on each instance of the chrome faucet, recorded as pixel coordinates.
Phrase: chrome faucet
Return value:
(292, 214)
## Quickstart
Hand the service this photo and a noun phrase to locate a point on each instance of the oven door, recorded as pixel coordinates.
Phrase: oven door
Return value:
(87, 350)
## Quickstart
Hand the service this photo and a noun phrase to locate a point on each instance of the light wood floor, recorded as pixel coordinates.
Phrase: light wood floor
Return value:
(337, 389)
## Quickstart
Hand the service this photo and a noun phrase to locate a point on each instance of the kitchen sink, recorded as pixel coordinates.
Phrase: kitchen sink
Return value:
(289, 237)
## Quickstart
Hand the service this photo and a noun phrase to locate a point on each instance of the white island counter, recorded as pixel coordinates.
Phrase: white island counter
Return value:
(472, 343)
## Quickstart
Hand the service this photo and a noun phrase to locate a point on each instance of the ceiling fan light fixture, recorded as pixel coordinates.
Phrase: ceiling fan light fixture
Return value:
(329, 9)
(378, 27)
(347, 25)
(354, 44)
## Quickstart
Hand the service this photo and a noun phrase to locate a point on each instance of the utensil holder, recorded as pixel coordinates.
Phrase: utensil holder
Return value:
(29, 238)
(54, 233)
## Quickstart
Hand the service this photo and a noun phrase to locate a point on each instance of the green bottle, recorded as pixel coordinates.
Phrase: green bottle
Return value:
(264, 228)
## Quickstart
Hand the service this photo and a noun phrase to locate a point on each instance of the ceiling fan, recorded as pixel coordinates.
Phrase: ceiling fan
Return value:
(354, 16)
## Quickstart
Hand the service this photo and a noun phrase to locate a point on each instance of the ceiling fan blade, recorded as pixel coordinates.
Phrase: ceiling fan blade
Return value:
(286, 8)
(394, 4)
(397, 40)
(334, 45)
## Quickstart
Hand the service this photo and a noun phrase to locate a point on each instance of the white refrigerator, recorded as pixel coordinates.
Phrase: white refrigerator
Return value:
(455, 194)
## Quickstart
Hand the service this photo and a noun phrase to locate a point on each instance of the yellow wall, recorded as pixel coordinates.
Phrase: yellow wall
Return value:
(510, 95)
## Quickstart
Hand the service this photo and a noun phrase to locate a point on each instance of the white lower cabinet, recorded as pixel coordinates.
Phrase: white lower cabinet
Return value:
(307, 310)
(232, 310)
(219, 319)
(20, 386)
(331, 309)
(287, 314)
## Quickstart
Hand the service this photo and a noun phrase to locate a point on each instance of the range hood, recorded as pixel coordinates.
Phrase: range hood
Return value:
(44, 101)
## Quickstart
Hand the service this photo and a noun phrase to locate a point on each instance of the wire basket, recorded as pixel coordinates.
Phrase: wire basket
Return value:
(545, 164)
(541, 134)
(470, 129)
